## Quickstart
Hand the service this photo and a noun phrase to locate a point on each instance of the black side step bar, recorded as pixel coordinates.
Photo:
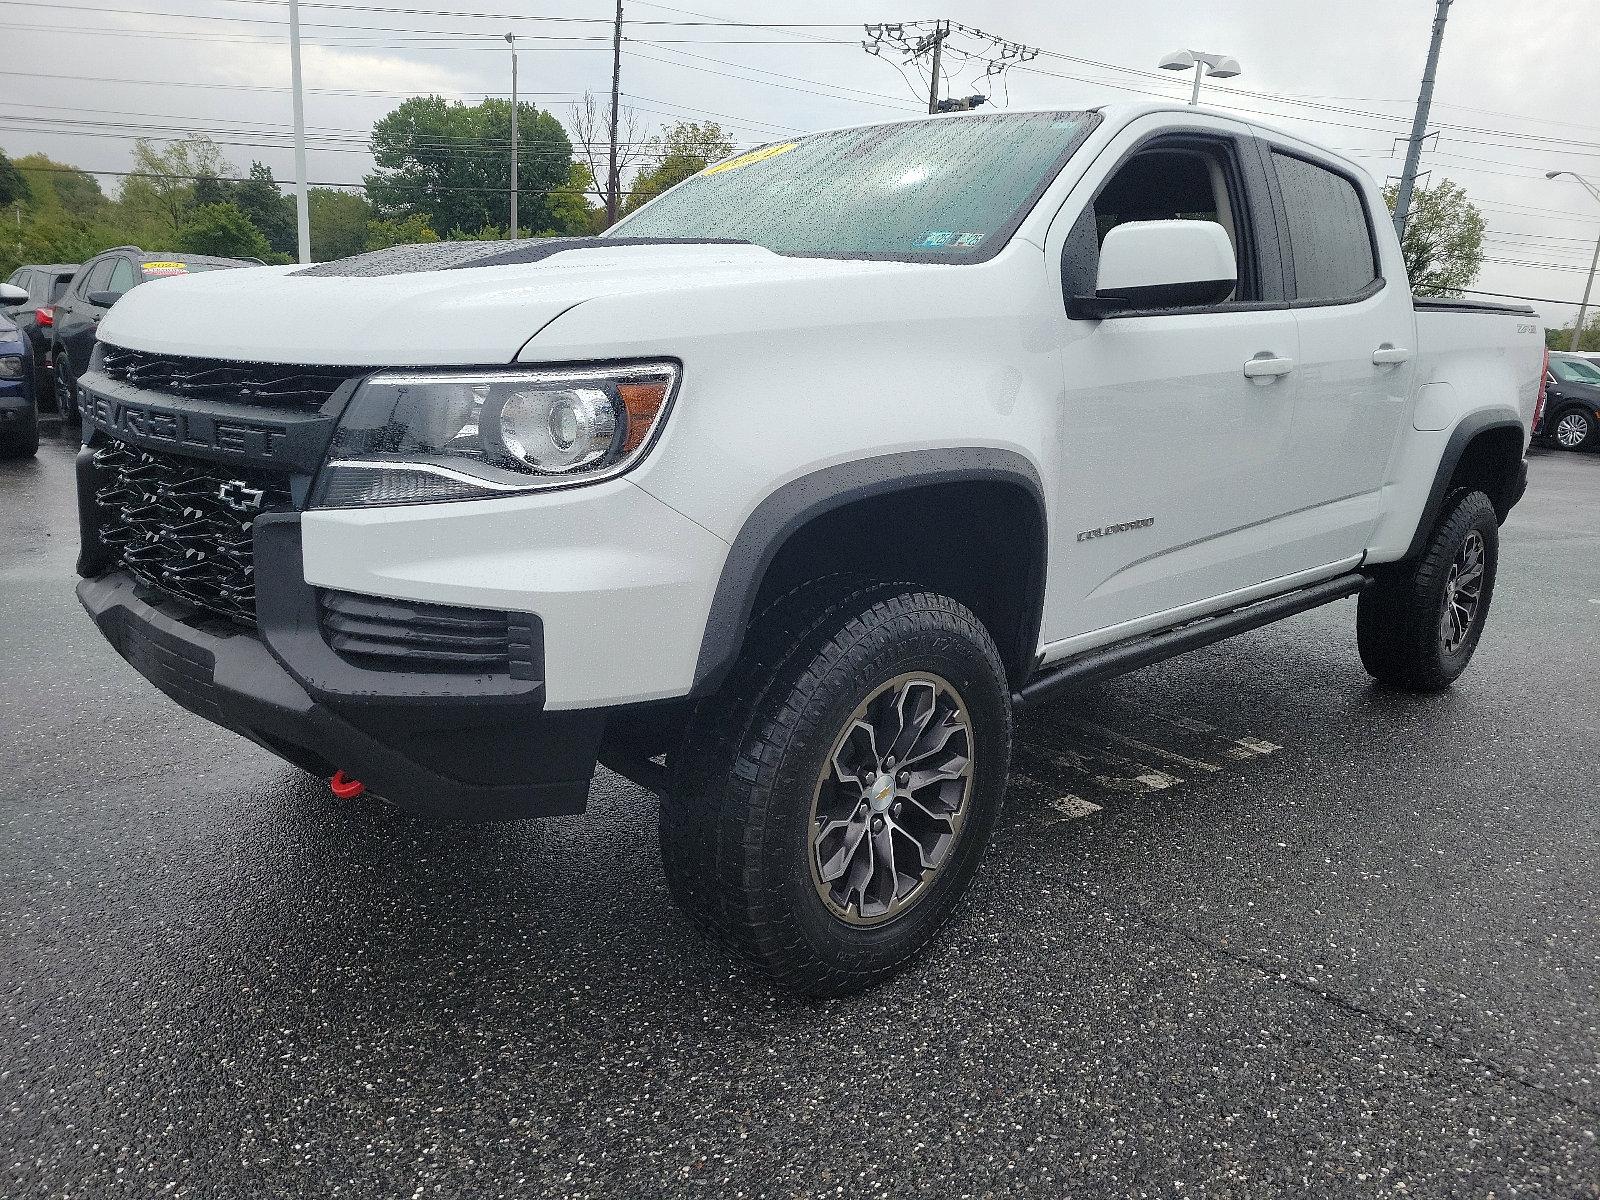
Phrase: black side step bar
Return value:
(1146, 649)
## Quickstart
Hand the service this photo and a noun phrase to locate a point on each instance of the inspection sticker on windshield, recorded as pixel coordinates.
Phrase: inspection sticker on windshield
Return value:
(755, 156)
(938, 239)
(165, 268)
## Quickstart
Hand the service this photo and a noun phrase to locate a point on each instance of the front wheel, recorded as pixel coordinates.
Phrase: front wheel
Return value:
(66, 389)
(832, 803)
(1419, 621)
(1573, 429)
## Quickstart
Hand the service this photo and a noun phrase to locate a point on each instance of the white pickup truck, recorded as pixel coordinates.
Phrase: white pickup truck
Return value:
(782, 496)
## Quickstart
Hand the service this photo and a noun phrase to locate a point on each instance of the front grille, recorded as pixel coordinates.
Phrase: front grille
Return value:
(404, 635)
(183, 525)
(218, 379)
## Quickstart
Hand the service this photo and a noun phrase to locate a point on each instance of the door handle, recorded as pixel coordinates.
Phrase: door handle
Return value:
(1266, 365)
(1386, 354)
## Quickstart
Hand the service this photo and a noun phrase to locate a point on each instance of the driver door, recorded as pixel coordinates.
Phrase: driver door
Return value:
(1173, 490)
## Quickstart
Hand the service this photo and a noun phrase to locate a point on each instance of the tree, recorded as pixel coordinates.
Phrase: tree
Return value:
(1443, 243)
(222, 230)
(592, 126)
(403, 231)
(13, 185)
(338, 222)
(1561, 339)
(160, 194)
(59, 185)
(450, 163)
(259, 198)
(686, 149)
(568, 206)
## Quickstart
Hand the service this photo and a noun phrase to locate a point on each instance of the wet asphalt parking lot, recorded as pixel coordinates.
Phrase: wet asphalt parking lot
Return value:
(1251, 927)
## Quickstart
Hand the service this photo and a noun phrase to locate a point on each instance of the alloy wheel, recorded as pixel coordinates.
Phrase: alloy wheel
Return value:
(64, 404)
(1572, 430)
(891, 800)
(1463, 592)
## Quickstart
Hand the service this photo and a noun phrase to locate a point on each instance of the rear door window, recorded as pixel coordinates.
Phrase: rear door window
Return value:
(1330, 236)
(97, 277)
(122, 277)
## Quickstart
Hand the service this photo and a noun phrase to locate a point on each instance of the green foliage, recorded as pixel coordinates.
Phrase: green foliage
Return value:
(1443, 244)
(338, 222)
(223, 230)
(159, 197)
(686, 149)
(568, 207)
(13, 186)
(402, 231)
(62, 187)
(450, 162)
(1589, 342)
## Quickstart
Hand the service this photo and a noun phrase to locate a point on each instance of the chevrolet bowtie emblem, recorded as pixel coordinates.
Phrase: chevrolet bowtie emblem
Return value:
(240, 497)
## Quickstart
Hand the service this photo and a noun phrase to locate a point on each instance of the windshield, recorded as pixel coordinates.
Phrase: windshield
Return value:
(951, 190)
(1571, 370)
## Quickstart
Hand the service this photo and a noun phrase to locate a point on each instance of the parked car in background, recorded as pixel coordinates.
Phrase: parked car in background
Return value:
(19, 415)
(1572, 401)
(96, 286)
(44, 284)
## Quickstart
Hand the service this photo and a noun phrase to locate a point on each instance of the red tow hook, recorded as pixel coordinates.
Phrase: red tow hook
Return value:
(345, 789)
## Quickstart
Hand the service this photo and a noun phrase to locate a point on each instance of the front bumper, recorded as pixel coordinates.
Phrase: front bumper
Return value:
(443, 747)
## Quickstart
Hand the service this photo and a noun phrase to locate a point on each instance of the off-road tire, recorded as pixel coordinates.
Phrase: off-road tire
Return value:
(736, 823)
(1400, 616)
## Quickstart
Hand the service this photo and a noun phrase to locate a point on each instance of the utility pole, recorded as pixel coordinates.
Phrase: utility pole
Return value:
(302, 212)
(1419, 124)
(613, 184)
(941, 30)
(511, 40)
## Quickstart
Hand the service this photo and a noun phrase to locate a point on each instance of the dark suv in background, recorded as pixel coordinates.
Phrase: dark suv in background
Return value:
(44, 284)
(99, 284)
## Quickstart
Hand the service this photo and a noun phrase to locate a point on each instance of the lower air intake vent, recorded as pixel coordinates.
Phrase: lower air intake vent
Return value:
(404, 635)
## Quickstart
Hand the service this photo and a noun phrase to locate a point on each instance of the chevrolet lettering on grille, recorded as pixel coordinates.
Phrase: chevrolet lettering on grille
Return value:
(177, 428)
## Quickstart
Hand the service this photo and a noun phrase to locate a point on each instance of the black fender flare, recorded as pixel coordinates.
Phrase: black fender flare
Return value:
(1469, 427)
(801, 500)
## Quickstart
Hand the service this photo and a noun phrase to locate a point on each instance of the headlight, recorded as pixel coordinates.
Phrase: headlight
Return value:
(410, 436)
(10, 366)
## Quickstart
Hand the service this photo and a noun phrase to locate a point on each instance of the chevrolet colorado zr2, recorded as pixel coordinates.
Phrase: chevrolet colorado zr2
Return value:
(783, 495)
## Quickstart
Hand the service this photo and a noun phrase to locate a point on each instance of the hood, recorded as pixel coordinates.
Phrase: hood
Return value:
(455, 315)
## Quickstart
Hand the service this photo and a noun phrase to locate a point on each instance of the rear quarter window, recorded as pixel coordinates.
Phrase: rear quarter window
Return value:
(1330, 238)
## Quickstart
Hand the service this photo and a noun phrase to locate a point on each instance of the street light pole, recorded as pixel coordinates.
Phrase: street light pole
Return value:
(511, 40)
(1218, 66)
(1583, 307)
(302, 213)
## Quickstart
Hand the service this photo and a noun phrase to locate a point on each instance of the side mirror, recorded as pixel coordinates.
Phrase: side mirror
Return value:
(11, 295)
(1160, 264)
(103, 299)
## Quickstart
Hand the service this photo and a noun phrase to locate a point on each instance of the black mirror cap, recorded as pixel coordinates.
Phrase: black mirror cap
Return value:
(1200, 293)
(103, 299)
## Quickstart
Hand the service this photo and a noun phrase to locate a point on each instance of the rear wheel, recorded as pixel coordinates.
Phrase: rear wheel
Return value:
(1574, 429)
(1419, 621)
(831, 804)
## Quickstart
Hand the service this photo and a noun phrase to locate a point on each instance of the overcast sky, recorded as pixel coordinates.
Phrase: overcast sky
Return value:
(1518, 91)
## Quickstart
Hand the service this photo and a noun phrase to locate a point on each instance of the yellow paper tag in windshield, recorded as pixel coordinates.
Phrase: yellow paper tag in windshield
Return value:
(166, 268)
(755, 156)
